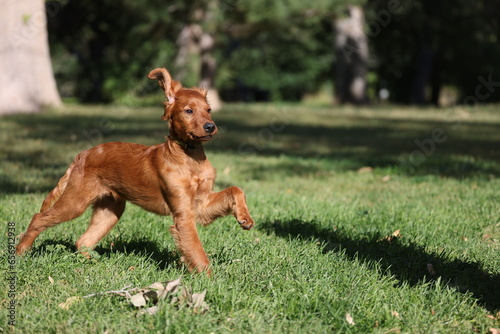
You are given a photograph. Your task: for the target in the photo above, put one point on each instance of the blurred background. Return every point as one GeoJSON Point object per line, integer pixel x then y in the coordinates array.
{"type": "Point", "coordinates": [418, 52]}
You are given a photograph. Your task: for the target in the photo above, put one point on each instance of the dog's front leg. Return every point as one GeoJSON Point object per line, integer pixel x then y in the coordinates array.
{"type": "Point", "coordinates": [228, 201]}
{"type": "Point", "coordinates": [188, 242]}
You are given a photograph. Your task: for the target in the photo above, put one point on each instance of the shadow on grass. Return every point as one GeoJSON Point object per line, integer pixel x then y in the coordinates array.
{"type": "Point", "coordinates": [145, 248]}
{"type": "Point", "coordinates": [384, 145]}
{"type": "Point", "coordinates": [52, 246]}
{"type": "Point", "coordinates": [408, 263]}
{"type": "Point", "coordinates": [471, 150]}
{"type": "Point", "coordinates": [164, 258]}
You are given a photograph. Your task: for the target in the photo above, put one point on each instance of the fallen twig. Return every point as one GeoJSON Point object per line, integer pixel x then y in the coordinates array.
{"type": "Point", "coordinates": [122, 292]}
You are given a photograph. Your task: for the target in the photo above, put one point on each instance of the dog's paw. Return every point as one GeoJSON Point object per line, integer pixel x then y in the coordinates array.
{"type": "Point", "coordinates": [22, 248]}
{"type": "Point", "coordinates": [246, 224]}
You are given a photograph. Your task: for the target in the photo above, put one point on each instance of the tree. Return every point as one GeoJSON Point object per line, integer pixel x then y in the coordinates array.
{"type": "Point", "coordinates": [351, 47]}
{"type": "Point", "coordinates": [425, 44]}
{"type": "Point", "coordinates": [112, 44]}
{"type": "Point", "coordinates": [195, 62]}
{"type": "Point", "coordinates": [27, 82]}
{"type": "Point", "coordinates": [278, 49]}
{"type": "Point", "coordinates": [106, 48]}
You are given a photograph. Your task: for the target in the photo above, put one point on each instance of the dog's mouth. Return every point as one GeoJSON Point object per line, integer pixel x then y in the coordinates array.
{"type": "Point", "coordinates": [202, 138]}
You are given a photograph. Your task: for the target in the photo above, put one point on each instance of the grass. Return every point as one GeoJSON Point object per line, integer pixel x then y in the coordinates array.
{"type": "Point", "coordinates": [323, 247]}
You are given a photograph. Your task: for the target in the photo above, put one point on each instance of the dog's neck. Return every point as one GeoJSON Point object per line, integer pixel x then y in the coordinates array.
{"type": "Point", "coordinates": [184, 145]}
{"type": "Point", "coordinates": [176, 147]}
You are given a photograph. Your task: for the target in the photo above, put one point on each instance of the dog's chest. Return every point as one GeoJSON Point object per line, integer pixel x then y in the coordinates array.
{"type": "Point", "coordinates": [202, 181]}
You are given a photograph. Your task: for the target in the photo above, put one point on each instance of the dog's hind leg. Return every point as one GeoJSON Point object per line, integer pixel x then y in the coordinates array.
{"type": "Point", "coordinates": [73, 202]}
{"type": "Point", "coordinates": [58, 190]}
{"type": "Point", "coordinates": [107, 212]}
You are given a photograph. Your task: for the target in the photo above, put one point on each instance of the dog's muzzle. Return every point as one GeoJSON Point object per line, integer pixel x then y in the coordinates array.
{"type": "Point", "coordinates": [209, 127]}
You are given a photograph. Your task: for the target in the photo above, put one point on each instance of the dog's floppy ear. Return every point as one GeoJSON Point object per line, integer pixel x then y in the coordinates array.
{"type": "Point", "coordinates": [165, 81]}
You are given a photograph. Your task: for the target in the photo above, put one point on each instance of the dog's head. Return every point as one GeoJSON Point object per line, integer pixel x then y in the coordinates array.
{"type": "Point", "coordinates": [186, 110]}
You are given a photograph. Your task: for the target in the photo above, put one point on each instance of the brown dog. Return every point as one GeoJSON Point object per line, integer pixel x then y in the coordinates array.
{"type": "Point", "coordinates": [170, 178]}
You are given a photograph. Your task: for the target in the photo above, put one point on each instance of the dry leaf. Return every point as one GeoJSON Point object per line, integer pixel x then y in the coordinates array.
{"type": "Point", "coordinates": [365, 169]}
{"type": "Point", "coordinates": [178, 295]}
{"type": "Point", "coordinates": [394, 235]}
{"type": "Point", "coordinates": [386, 179]}
{"type": "Point", "coordinates": [185, 296]}
{"type": "Point", "coordinates": [172, 285]}
{"type": "Point", "coordinates": [494, 331]}
{"type": "Point", "coordinates": [70, 301]}
{"type": "Point", "coordinates": [162, 294]}
{"type": "Point", "coordinates": [349, 319]}
{"type": "Point", "coordinates": [431, 270]}
{"type": "Point", "coordinates": [51, 280]}
{"type": "Point", "coordinates": [156, 286]}
{"type": "Point", "coordinates": [149, 310]}
{"type": "Point", "coordinates": [199, 298]}
{"type": "Point", "coordinates": [138, 300]}
{"type": "Point", "coordinates": [199, 305]}
{"type": "Point", "coordinates": [226, 171]}
{"type": "Point", "coordinates": [395, 314]}
{"type": "Point", "coordinates": [169, 289]}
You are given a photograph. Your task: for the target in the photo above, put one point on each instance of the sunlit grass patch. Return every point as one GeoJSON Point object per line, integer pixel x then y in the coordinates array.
{"type": "Point", "coordinates": [328, 191]}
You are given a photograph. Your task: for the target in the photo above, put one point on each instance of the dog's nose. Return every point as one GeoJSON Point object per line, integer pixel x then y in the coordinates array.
{"type": "Point", "coordinates": [209, 127]}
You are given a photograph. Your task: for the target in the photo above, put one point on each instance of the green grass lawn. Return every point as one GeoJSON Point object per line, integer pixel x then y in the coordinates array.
{"type": "Point", "coordinates": [381, 220]}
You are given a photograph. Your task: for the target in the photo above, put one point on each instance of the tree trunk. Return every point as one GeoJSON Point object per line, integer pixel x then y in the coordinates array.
{"type": "Point", "coordinates": [208, 70]}
{"type": "Point", "coordinates": [195, 59]}
{"type": "Point", "coordinates": [351, 48]}
{"type": "Point", "coordinates": [27, 82]}
{"type": "Point", "coordinates": [423, 71]}
{"type": "Point", "coordinates": [207, 47]}
{"type": "Point", "coordinates": [187, 59]}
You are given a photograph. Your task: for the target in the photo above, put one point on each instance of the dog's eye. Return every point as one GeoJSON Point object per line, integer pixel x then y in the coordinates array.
{"type": "Point", "coordinates": [209, 111]}
{"type": "Point", "coordinates": [188, 111]}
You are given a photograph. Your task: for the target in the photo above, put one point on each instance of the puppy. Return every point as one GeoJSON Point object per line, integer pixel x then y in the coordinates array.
{"type": "Point", "coordinates": [173, 178]}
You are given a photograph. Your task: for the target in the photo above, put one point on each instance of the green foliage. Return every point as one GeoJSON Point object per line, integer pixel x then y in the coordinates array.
{"type": "Point", "coordinates": [323, 246]}
{"type": "Point", "coordinates": [281, 63]}
{"type": "Point", "coordinates": [265, 49]}
{"type": "Point", "coordinates": [101, 50]}
{"type": "Point", "coordinates": [461, 36]}
{"type": "Point", "coordinates": [281, 47]}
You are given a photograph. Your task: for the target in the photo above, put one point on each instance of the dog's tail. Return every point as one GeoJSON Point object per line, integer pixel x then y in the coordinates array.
{"type": "Point", "coordinates": [54, 195]}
